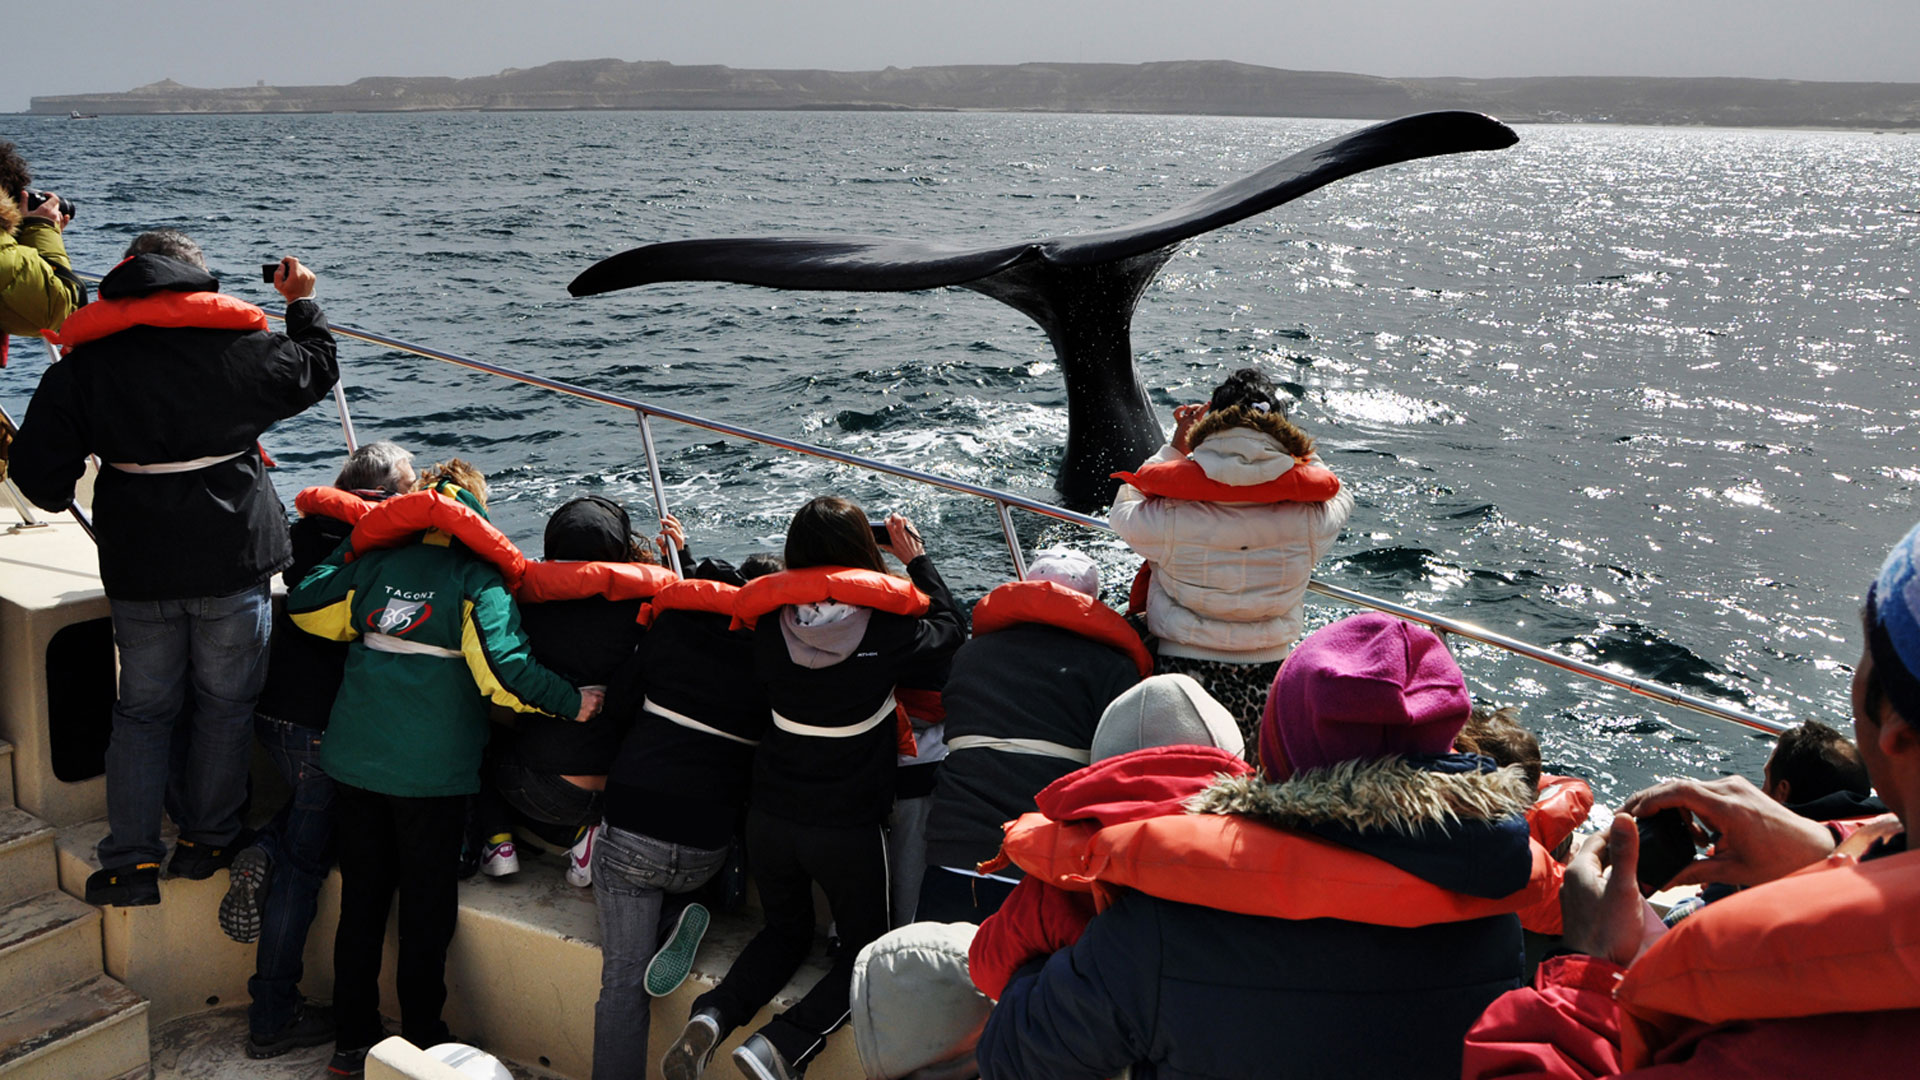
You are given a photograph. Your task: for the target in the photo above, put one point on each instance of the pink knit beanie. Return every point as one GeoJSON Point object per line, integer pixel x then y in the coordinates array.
{"type": "Point", "coordinates": [1368, 686]}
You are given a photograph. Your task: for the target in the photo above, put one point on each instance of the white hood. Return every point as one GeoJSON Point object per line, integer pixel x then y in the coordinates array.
{"type": "Point", "coordinates": [1242, 457]}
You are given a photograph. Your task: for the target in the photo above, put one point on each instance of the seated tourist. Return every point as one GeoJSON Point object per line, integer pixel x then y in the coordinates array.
{"type": "Point", "coordinates": [274, 885]}
{"type": "Point", "coordinates": [1561, 804]}
{"type": "Point", "coordinates": [1231, 516]}
{"type": "Point", "coordinates": [435, 636]}
{"type": "Point", "coordinates": [677, 789]}
{"type": "Point", "coordinates": [579, 610]}
{"type": "Point", "coordinates": [1814, 971]}
{"type": "Point", "coordinates": [1819, 773]}
{"type": "Point", "coordinates": [1349, 913]}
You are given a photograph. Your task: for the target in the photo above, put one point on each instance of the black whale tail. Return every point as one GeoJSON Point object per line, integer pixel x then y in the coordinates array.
{"type": "Point", "coordinates": [1081, 289]}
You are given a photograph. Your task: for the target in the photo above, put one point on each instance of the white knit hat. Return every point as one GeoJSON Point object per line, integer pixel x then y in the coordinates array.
{"type": "Point", "coordinates": [1165, 710]}
{"type": "Point", "coordinates": [1065, 566]}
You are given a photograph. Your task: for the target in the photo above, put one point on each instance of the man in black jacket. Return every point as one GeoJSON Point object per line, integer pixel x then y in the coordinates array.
{"type": "Point", "coordinates": [171, 384]}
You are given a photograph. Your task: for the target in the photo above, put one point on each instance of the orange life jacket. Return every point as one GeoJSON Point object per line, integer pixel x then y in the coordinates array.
{"type": "Point", "coordinates": [543, 582]}
{"type": "Point", "coordinates": [401, 519]}
{"type": "Point", "coordinates": [202, 310]}
{"type": "Point", "coordinates": [1233, 863]}
{"type": "Point", "coordinates": [1052, 604]}
{"type": "Point", "coordinates": [1561, 807]}
{"type": "Point", "coordinates": [690, 594]}
{"type": "Point", "coordinates": [332, 502]}
{"type": "Point", "coordinates": [1185, 479]}
{"type": "Point", "coordinates": [1838, 937]}
{"type": "Point", "coordinates": [816, 584]}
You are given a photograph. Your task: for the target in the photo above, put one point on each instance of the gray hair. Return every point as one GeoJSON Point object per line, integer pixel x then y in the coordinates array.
{"type": "Point", "coordinates": [377, 466]}
{"type": "Point", "coordinates": [169, 242]}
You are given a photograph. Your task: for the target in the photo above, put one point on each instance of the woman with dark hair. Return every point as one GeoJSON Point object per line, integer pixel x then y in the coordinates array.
{"type": "Point", "coordinates": [1231, 516]}
{"type": "Point", "coordinates": [833, 634]}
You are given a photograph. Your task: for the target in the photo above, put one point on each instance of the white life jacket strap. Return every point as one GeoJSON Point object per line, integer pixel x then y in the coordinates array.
{"type": "Point", "coordinates": [167, 468]}
{"type": "Point", "coordinates": [1036, 747]}
{"type": "Point", "coordinates": [387, 643]}
{"type": "Point", "coordinates": [795, 727]}
{"type": "Point", "coordinates": [683, 720]}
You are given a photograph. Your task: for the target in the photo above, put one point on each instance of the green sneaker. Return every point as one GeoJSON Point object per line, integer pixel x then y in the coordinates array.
{"type": "Point", "coordinates": [674, 962]}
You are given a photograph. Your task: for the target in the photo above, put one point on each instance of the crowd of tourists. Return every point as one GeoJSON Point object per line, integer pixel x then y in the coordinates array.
{"type": "Point", "coordinates": [1055, 839]}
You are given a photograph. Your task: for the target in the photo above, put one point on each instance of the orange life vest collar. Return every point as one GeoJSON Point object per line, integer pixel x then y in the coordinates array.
{"type": "Point", "coordinates": [401, 520]}
{"type": "Point", "coordinates": [1185, 479]}
{"type": "Point", "coordinates": [201, 310]}
{"type": "Point", "coordinates": [1838, 937]}
{"type": "Point", "coordinates": [818, 584]}
{"type": "Point", "coordinates": [691, 594]}
{"type": "Point", "coordinates": [1052, 604]}
{"type": "Point", "coordinates": [334, 503]}
{"type": "Point", "coordinates": [545, 582]}
{"type": "Point", "coordinates": [1562, 806]}
{"type": "Point", "coordinates": [1237, 864]}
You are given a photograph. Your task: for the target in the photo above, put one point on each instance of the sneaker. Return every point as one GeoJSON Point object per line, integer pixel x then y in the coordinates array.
{"type": "Point", "coordinates": [758, 1060]}
{"type": "Point", "coordinates": [497, 858]}
{"type": "Point", "coordinates": [198, 862]}
{"type": "Point", "coordinates": [348, 1062]}
{"type": "Point", "coordinates": [580, 858]}
{"type": "Point", "coordinates": [674, 962]}
{"type": "Point", "coordinates": [240, 909]}
{"type": "Point", "coordinates": [690, 1054]}
{"type": "Point", "coordinates": [125, 886]}
{"type": "Point", "coordinates": [312, 1025]}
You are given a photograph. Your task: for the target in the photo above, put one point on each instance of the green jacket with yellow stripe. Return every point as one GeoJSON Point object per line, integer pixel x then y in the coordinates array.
{"type": "Point", "coordinates": [435, 636]}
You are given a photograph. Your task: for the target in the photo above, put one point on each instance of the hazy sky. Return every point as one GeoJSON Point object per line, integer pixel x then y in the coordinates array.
{"type": "Point", "coordinates": [108, 45]}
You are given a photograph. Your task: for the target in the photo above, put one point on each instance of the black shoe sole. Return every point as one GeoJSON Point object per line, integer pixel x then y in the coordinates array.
{"type": "Point", "coordinates": [243, 908]}
{"type": "Point", "coordinates": [124, 897]}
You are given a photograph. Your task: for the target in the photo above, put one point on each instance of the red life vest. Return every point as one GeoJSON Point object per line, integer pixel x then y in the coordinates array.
{"type": "Point", "coordinates": [690, 594]}
{"type": "Point", "coordinates": [1052, 604]}
{"type": "Point", "coordinates": [1185, 479]}
{"type": "Point", "coordinates": [1561, 807]}
{"type": "Point", "coordinates": [334, 503]}
{"type": "Point", "coordinates": [542, 582]}
{"type": "Point", "coordinates": [816, 584]}
{"type": "Point", "coordinates": [201, 310]}
{"type": "Point", "coordinates": [401, 519]}
{"type": "Point", "coordinates": [1838, 937]}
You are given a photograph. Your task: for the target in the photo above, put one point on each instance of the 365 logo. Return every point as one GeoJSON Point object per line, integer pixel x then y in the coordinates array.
{"type": "Point", "coordinates": [399, 617]}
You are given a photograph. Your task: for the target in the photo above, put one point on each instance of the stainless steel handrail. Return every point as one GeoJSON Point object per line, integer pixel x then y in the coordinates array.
{"type": "Point", "coordinates": [1004, 501]}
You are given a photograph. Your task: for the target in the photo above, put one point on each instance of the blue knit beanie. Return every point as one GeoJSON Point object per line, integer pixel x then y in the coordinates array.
{"type": "Point", "coordinates": [1893, 624]}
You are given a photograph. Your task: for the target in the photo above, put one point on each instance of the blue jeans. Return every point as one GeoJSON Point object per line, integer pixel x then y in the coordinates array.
{"type": "Point", "coordinates": [299, 840]}
{"type": "Point", "coordinates": [631, 876]}
{"type": "Point", "coordinates": [215, 647]}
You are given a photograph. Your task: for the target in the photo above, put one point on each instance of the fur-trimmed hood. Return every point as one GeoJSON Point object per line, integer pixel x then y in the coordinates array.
{"type": "Point", "coordinates": [1456, 820]}
{"type": "Point", "coordinates": [10, 214]}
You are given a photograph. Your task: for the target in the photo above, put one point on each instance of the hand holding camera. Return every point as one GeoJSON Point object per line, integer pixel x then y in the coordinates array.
{"type": "Point", "coordinates": [288, 278]}
{"type": "Point", "coordinates": [48, 206]}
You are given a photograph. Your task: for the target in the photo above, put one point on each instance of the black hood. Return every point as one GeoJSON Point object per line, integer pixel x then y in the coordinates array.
{"type": "Point", "coordinates": [144, 275]}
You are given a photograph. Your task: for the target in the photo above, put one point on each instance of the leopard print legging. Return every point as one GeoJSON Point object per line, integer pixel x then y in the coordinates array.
{"type": "Point", "coordinates": [1242, 688]}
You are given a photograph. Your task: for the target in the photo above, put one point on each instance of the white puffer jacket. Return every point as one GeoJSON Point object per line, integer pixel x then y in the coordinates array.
{"type": "Point", "coordinates": [1228, 578]}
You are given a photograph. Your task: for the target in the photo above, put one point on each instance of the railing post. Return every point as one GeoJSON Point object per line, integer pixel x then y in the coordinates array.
{"type": "Point", "coordinates": [27, 518]}
{"type": "Point", "coordinates": [659, 489]}
{"type": "Point", "coordinates": [346, 418]}
{"type": "Point", "coordinates": [1013, 540]}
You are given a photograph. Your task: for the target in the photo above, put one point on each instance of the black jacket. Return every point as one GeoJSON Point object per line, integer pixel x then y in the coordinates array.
{"type": "Point", "coordinates": [674, 783]}
{"type": "Point", "coordinates": [304, 671]}
{"type": "Point", "coordinates": [1029, 681]}
{"type": "Point", "coordinates": [149, 395]}
{"type": "Point", "coordinates": [588, 642]}
{"type": "Point", "coordinates": [844, 781]}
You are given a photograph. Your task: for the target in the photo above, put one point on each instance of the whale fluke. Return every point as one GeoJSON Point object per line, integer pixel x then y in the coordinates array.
{"type": "Point", "coordinates": [1080, 289]}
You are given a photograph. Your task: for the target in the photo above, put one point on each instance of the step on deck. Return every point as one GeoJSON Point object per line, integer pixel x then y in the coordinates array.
{"type": "Point", "coordinates": [93, 1030]}
{"type": "Point", "coordinates": [26, 856]}
{"type": "Point", "coordinates": [47, 942]}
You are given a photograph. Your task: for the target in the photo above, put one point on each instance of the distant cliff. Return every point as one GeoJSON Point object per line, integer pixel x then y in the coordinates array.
{"type": "Point", "coordinates": [1190, 87]}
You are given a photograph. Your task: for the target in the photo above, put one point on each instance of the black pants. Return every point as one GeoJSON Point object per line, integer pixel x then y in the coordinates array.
{"type": "Point", "coordinates": [850, 865]}
{"type": "Point", "coordinates": [512, 795]}
{"type": "Point", "coordinates": [388, 843]}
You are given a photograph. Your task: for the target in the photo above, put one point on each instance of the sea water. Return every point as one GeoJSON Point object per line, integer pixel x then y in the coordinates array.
{"type": "Point", "coordinates": [1642, 395]}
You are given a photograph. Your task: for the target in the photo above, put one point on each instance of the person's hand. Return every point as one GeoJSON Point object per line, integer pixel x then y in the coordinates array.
{"type": "Point", "coordinates": [49, 211]}
{"type": "Point", "coordinates": [671, 534]}
{"type": "Point", "coordinates": [1759, 839]}
{"type": "Point", "coordinates": [1601, 912]}
{"type": "Point", "coordinates": [1184, 417]}
{"type": "Point", "coordinates": [591, 698]}
{"type": "Point", "coordinates": [902, 540]}
{"type": "Point", "coordinates": [293, 281]}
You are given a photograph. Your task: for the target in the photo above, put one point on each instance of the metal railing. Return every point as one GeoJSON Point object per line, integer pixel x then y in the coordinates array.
{"type": "Point", "coordinates": [1004, 503]}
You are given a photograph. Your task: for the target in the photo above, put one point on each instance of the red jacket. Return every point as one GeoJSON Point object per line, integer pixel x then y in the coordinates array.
{"type": "Point", "coordinates": [1817, 974]}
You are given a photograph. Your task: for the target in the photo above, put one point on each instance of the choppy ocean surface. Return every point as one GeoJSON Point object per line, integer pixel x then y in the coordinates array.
{"type": "Point", "coordinates": [1643, 395]}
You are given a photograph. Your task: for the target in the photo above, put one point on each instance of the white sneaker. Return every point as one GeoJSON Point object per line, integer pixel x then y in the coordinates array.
{"type": "Point", "coordinates": [580, 858]}
{"type": "Point", "coordinates": [497, 858]}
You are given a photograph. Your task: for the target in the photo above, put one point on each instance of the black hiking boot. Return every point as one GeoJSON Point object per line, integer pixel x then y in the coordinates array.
{"type": "Point", "coordinates": [312, 1025]}
{"type": "Point", "coordinates": [137, 885]}
{"type": "Point", "coordinates": [241, 909]}
{"type": "Point", "coordinates": [198, 862]}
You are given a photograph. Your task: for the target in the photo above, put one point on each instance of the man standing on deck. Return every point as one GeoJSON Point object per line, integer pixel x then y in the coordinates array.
{"type": "Point", "coordinates": [170, 383]}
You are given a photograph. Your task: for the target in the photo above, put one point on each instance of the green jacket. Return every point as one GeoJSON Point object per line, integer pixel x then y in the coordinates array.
{"type": "Point", "coordinates": [34, 298]}
{"type": "Point", "coordinates": [435, 636]}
